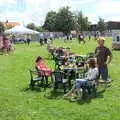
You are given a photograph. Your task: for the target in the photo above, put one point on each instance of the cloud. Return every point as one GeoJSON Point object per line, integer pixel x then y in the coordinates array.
{"type": "Point", "coordinates": [35, 10]}
{"type": "Point", "coordinates": [80, 2]}
{"type": "Point", "coordinates": [7, 2]}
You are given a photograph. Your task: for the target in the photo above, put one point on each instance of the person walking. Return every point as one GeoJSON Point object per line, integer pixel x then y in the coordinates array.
{"type": "Point", "coordinates": [103, 58]}
{"type": "Point", "coordinates": [28, 39]}
{"type": "Point", "coordinates": [51, 37]}
{"type": "Point", "coordinates": [89, 36]}
{"type": "Point", "coordinates": [81, 38]}
{"type": "Point", "coordinates": [41, 39]}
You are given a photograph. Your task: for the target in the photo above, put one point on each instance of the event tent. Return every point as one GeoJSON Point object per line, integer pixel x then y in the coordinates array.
{"type": "Point", "coordinates": [21, 30]}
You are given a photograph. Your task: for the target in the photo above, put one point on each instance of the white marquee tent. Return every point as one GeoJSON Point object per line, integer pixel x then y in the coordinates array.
{"type": "Point", "coordinates": [21, 30]}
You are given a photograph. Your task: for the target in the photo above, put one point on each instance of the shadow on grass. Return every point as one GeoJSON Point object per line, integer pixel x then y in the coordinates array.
{"type": "Point", "coordinates": [58, 94]}
{"type": "Point", "coordinates": [87, 99]}
{"type": "Point", "coordinates": [54, 95]}
{"type": "Point", "coordinates": [36, 89]}
{"type": "Point", "coordinates": [115, 49]}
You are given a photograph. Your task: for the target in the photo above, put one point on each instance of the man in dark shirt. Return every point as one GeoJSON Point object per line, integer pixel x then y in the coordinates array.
{"type": "Point", "coordinates": [103, 58]}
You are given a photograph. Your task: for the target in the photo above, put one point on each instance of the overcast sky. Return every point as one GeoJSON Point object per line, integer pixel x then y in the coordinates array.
{"type": "Point", "coordinates": [26, 11]}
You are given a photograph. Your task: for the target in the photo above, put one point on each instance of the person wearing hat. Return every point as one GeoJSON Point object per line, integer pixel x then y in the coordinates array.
{"type": "Point", "coordinates": [103, 58]}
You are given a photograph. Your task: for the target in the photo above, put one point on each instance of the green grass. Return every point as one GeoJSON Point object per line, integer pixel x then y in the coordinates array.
{"type": "Point", "coordinates": [16, 103]}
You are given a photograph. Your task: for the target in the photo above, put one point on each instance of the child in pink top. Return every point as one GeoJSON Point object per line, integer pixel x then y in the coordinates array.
{"type": "Point", "coordinates": [41, 65]}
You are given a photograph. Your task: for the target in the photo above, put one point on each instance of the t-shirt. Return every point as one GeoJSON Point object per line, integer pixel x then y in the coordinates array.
{"type": "Point", "coordinates": [92, 74]}
{"type": "Point", "coordinates": [81, 36]}
{"type": "Point", "coordinates": [41, 36]}
{"type": "Point", "coordinates": [101, 54]}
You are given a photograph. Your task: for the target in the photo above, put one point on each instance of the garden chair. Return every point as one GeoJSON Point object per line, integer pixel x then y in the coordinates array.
{"type": "Point", "coordinates": [58, 78]}
{"type": "Point", "coordinates": [88, 87]}
{"type": "Point", "coordinates": [58, 62]}
{"type": "Point", "coordinates": [36, 77]}
{"type": "Point", "coordinates": [81, 73]}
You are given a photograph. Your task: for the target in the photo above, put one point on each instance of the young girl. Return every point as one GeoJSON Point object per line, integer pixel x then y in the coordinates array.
{"type": "Point", "coordinates": [41, 65]}
{"type": "Point", "coordinates": [92, 75]}
{"type": "Point", "coordinates": [44, 70]}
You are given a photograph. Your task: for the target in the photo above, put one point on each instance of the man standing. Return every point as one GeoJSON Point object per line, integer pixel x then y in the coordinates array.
{"type": "Point", "coordinates": [51, 37]}
{"type": "Point", "coordinates": [103, 58]}
{"type": "Point", "coordinates": [81, 38]}
{"type": "Point", "coordinates": [41, 39]}
{"type": "Point", "coordinates": [28, 39]}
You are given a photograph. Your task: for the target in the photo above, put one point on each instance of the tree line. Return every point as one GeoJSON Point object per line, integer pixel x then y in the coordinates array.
{"type": "Point", "coordinates": [64, 21]}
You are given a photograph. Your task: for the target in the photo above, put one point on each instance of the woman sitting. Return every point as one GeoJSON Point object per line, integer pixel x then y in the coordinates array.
{"type": "Point", "coordinates": [92, 75]}
{"type": "Point", "coordinates": [44, 70]}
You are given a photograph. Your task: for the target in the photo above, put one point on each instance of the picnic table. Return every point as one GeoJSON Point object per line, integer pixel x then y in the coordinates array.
{"type": "Point", "coordinates": [84, 57]}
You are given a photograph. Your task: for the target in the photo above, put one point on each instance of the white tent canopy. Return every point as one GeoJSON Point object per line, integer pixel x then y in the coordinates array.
{"type": "Point", "coordinates": [21, 30]}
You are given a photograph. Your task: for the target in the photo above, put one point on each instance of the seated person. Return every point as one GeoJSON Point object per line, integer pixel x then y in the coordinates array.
{"type": "Point", "coordinates": [65, 52]}
{"type": "Point", "coordinates": [92, 75]}
{"type": "Point", "coordinates": [41, 65]}
{"type": "Point", "coordinates": [44, 70]}
{"type": "Point", "coordinates": [59, 51]}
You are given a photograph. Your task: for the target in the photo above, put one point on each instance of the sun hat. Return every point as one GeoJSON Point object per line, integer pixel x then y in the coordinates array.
{"type": "Point", "coordinates": [101, 38]}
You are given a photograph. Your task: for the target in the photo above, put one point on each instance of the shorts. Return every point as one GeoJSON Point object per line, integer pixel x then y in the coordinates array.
{"type": "Point", "coordinates": [80, 84]}
{"type": "Point", "coordinates": [103, 71]}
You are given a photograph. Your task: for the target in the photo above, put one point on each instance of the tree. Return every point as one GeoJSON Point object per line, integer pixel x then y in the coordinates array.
{"type": "Point", "coordinates": [64, 20]}
{"type": "Point", "coordinates": [31, 26]}
{"type": "Point", "coordinates": [34, 27]}
{"type": "Point", "coordinates": [2, 27]}
{"type": "Point", "coordinates": [101, 25]}
{"type": "Point", "coordinates": [82, 23]}
{"type": "Point", "coordinates": [40, 29]}
{"type": "Point", "coordinates": [50, 21]}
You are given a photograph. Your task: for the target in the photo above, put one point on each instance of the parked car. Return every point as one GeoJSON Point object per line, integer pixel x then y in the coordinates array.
{"type": "Point", "coordinates": [18, 41]}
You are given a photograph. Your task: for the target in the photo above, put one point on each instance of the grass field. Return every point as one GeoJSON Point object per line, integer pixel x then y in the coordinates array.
{"type": "Point", "coordinates": [17, 103]}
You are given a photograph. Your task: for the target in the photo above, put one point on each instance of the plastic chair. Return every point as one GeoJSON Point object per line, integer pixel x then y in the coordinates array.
{"type": "Point", "coordinates": [36, 77]}
{"type": "Point", "coordinates": [58, 78]}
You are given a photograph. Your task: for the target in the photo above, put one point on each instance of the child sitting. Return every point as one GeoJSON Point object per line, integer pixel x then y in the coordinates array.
{"type": "Point", "coordinates": [92, 75]}
{"type": "Point", "coordinates": [44, 70]}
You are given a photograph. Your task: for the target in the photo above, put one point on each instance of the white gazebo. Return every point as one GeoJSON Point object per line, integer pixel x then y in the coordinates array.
{"type": "Point", "coordinates": [21, 30]}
